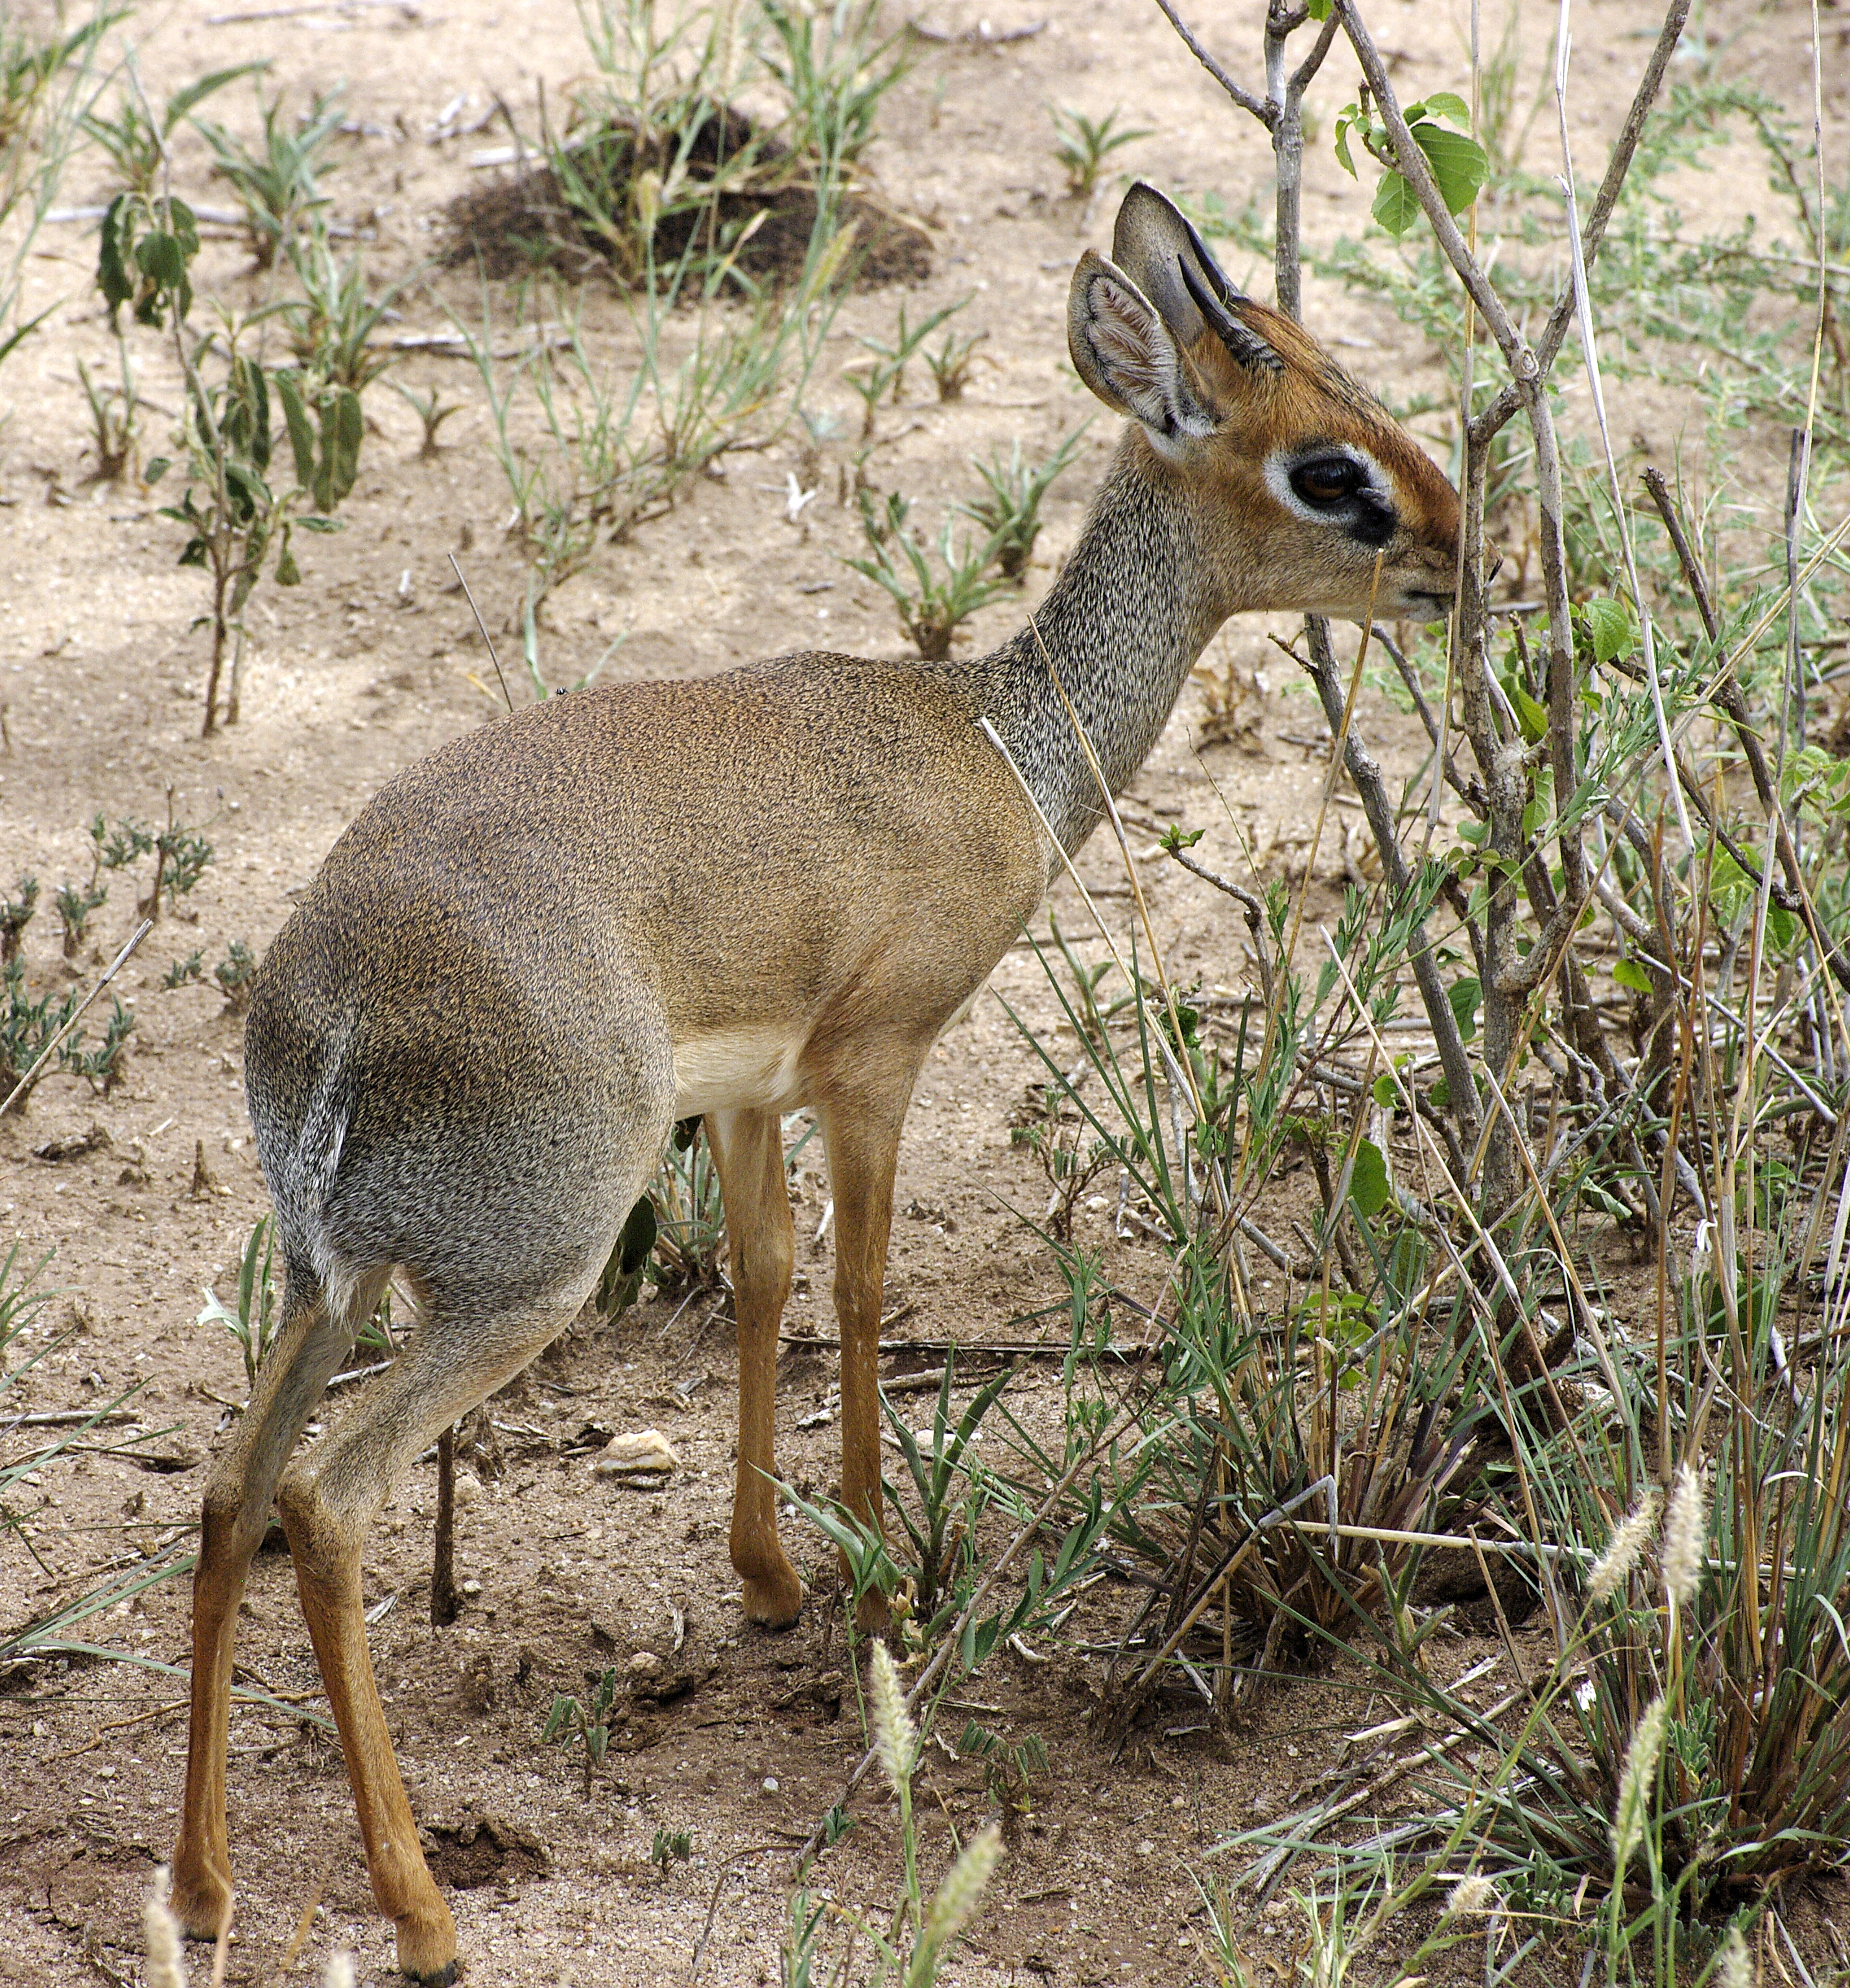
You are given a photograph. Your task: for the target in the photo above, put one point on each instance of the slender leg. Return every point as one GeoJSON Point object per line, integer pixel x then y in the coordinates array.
{"type": "Point", "coordinates": [308, 1349]}
{"type": "Point", "coordinates": [863, 1136]}
{"type": "Point", "coordinates": [749, 1148]}
{"type": "Point", "coordinates": [328, 1500]}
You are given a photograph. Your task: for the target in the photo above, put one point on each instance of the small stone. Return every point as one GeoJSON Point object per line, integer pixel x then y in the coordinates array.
{"type": "Point", "coordinates": [645, 1663]}
{"type": "Point", "coordinates": [771, 1784]}
{"type": "Point", "coordinates": [471, 1586]}
{"type": "Point", "coordinates": [1147, 1847]}
{"type": "Point", "coordinates": [466, 1490]}
{"type": "Point", "coordinates": [640, 1453]}
{"type": "Point", "coordinates": [105, 1773]}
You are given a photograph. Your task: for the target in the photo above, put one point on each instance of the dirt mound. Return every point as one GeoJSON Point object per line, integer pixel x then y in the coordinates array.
{"type": "Point", "coordinates": [538, 217]}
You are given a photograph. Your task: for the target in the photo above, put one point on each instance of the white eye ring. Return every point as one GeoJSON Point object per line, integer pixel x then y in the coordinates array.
{"type": "Point", "coordinates": [1278, 472]}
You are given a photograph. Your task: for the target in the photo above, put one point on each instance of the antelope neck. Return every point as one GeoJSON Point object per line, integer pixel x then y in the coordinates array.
{"type": "Point", "coordinates": [1123, 625]}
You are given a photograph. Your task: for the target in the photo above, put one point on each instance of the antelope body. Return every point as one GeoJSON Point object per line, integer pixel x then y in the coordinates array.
{"type": "Point", "coordinates": [537, 949]}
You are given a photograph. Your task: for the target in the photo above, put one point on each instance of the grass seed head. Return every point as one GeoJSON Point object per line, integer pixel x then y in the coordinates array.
{"type": "Point", "coordinates": [957, 1899]}
{"type": "Point", "coordinates": [1637, 1781]}
{"type": "Point", "coordinates": [1734, 1964]}
{"type": "Point", "coordinates": [1474, 1894]}
{"type": "Point", "coordinates": [1614, 1566]}
{"type": "Point", "coordinates": [1685, 1536]}
{"type": "Point", "coordinates": [161, 1931]}
{"type": "Point", "coordinates": [896, 1738]}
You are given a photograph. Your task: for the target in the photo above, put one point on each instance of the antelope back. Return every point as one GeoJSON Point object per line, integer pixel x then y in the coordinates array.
{"type": "Point", "coordinates": [1308, 482]}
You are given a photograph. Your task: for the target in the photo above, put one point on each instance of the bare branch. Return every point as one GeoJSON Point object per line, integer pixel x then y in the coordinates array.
{"type": "Point", "coordinates": [1253, 106]}
{"type": "Point", "coordinates": [1548, 346]}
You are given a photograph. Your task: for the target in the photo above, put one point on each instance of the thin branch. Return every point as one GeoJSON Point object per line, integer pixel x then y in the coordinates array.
{"type": "Point", "coordinates": [1253, 106]}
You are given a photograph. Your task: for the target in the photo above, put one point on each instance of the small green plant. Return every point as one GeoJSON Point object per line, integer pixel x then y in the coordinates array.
{"type": "Point", "coordinates": [258, 1311]}
{"type": "Point", "coordinates": [689, 1218]}
{"type": "Point", "coordinates": [1067, 1152]}
{"type": "Point", "coordinates": [275, 183]}
{"type": "Point", "coordinates": [332, 324]}
{"type": "Point", "coordinates": [671, 1846]}
{"type": "Point", "coordinates": [103, 1067]}
{"type": "Point", "coordinates": [933, 599]}
{"type": "Point", "coordinates": [27, 1028]}
{"type": "Point", "coordinates": [833, 72]}
{"type": "Point", "coordinates": [238, 517]}
{"type": "Point", "coordinates": [184, 972]}
{"type": "Point", "coordinates": [1009, 1771]}
{"type": "Point", "coordinates": [136, 142]}
{"type": "Point", "coordinates": [883, 371]}
{"type": "Point", "coordinates": [234, 974]}
{"type": "Point", "coordinates": [76, 906]}
{"type": "Point", "coordinates": [953, 363]}
{"type": "Point", "coordinates": [1009, 510]}
{"type": "Point", "coordinates": [910, 1948]}
{"type": "Point", "coordinates": [114, 428]}
{"type": "Point", "coordinates": [181, 857]}
{"type": "Point", "coordinates": [944, 1563]}
{"type": "Point", "coordinates": [586, 1721]}
{"type": "Point", "coordinates": [115, 848]}
{"type": "Point", "coordinates": [16, 914]}
{"type": "Point", "coordinates": [1082, 144]}
{"type": "Point", "coordinates": [46, 83]}
{"type": "Point", "coordinates": [432, 412]}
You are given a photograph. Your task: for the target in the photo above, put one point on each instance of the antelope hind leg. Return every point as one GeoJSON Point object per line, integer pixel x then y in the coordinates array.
{"type": "Point", "coordinates": [236, 1508]}
{"type": "Point", "coordinates": [328, 1501]}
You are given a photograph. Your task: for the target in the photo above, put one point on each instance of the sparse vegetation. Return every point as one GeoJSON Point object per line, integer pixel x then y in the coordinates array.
{"type": "Point", "coordinates": [1082, 144]}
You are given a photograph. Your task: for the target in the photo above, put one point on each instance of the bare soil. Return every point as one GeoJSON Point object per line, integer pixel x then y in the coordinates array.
{"type": "Point", "coordinates": [741, 1738]}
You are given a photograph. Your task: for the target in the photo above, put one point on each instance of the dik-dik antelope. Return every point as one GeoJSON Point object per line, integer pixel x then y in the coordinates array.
{"type": "Point", "coordinates": [538, 948]}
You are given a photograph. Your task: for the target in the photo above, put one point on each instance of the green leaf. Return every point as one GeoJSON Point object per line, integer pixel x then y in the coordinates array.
{"type": "Point", "coordinates": [113, 278]}
{"type": "Point", "coordinates": [1610, 627]}
{"type": "Point", "coordinates": [1440, 1093]}
{"type": "Point", "coordinates": [1386, 1092]}
{"type": "Point", "coordinates": [1319, 10]}
{"type": "Point", "coordinates": [1443, 103]}
{"type": "Point", "coordinates": [1347, 122]}
{"type": "Point", "coordinates": [1464, 995]}
{"type": "Point", "coordinates": [341, 427]}
{"type": "Point", "coordinates": [1395, 208]}
{"type": "Point", "coordinates": [1369, 1181]}
{"type": "Point", "coordinates": [1531, 718]}
{"type": "Point", "coordinates": [295, 419]}
{"type": "Point", "coordinates": [1782, 927]}
{"type": "Point", "coordinates": [157, 469]}
{"type": "Point", "coordinates": [1629, 973]}
{"type": "Point", "coordinates": [1459, 165]}
{"type": "Point", "coordinates": [1175, 838]}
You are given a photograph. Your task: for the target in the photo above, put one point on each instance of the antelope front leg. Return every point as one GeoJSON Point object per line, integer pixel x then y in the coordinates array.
{"type": "Point", "coordinates": [863, 1143]}
{"type": "Point", "coordinates": [748, 1147]}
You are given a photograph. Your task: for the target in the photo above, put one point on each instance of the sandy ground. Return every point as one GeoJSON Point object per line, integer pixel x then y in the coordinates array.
{"type": "Point", "coordinates": [372, 662]}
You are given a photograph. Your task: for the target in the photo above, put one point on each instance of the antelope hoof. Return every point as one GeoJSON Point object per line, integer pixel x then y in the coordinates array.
{"type": "Point", "coordinates": [774, 1601]}
{"type": "Point", "coordinates": [427, 1949]}
{"type": "Point", "coordinates": [201, 1899]}
{"type": "Point", "coordinates": [871, 1616]}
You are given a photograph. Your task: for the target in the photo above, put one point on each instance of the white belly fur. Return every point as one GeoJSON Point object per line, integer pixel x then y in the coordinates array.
{"type": "Point", "coordinates": [735, 1070]}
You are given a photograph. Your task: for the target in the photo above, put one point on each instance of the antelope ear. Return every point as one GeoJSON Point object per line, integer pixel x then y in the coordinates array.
{"type": "Point", "coordinates": [1159, 248]}
{"type": "Point", "coordinates": [1130, 358]}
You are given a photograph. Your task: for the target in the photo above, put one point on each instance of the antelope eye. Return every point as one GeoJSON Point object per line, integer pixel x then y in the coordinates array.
{"type": "Point", "coordinates": [1328, 480]}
